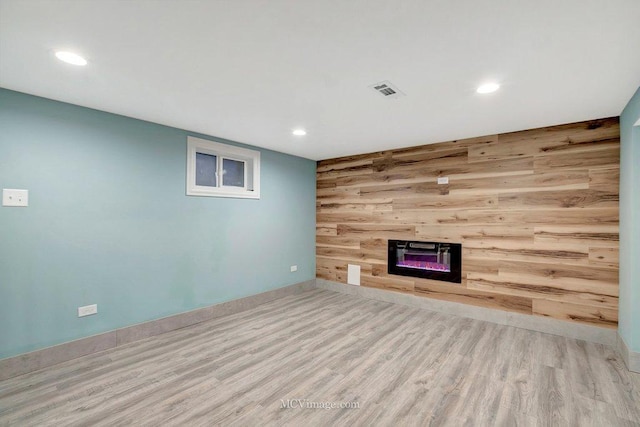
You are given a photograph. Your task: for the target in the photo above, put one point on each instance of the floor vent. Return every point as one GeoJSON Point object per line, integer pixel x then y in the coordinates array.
{"type": "Point", "coordinates": [387, 89]}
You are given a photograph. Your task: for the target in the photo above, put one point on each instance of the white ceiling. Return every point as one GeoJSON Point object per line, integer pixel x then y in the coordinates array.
{"type": "Point", "coordinates": [253, 70]}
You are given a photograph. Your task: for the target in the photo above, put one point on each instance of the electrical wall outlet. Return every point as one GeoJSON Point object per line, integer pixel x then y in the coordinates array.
{"type": "Point", "coordinates": [16, 198]}
{"type": "Point", "coordinates": [294, 268]}
{"type": "Point", "coordinates": [443, 180]}
{"type": "Point", "coordinates": [87, 310]}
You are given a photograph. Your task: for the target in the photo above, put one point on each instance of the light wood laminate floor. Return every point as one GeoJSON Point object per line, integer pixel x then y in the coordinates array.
{"type": "Point", "coordinates": [404, 366]}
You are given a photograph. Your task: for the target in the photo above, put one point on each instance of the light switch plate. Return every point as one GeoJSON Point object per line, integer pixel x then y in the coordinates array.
{"type": "Point", "coordinates": [15, 198]}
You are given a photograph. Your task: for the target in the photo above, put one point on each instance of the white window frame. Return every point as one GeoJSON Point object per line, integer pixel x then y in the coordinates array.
{"type": "Point", "coordinates": [251, 159]}
{"type": "Point", "coordinates": [221, 160]}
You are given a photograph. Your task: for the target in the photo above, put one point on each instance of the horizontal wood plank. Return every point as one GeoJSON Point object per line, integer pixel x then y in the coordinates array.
{"type": "Point", "coordinates": [388, 283]}
{"type": "Point", "coordinates": [606, 256]}
{"type": "Point", "coordinates": [597, 315]}
{"type": "Point", "coordinates": [558, 199]}
{"type": "Point", "coordinates": [472, 297]}
{"type": "Point", "coordinates": [553, 290]}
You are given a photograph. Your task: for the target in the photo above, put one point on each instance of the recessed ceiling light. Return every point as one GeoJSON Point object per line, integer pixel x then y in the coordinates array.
{"type": "Point", "coordinates": [71, 58]}
{"type": "Point", "coordinates": [300, 132]}
{"type": "Point", "coordinates": [488, 88]}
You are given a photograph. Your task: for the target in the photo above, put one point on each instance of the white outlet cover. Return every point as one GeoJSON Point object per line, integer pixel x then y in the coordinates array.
{"type": "Point", "coordinates": [443, 180]}
{"type": "Point", "coordinates": [15, 198]}
{"type": "Point", "coordinates": [87, 310]}
{"type": "Point", "coordinates": [353, 274]}
{"type": "Point", "coordinates": [294, 268]}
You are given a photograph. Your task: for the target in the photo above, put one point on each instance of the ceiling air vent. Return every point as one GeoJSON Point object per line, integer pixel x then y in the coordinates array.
{"type": "Point", "coordinates": [387, 89]}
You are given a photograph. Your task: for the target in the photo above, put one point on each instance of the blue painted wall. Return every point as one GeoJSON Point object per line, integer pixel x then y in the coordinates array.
{"type": "Point", "coordinates": [629, 317]}
{"type": "Point", "coordinates": [109, 224]}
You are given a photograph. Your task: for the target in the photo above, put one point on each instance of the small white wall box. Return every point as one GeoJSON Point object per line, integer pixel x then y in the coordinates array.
{"type": "Point", "coordinates": [353, 274]}
{"type": "Point", "coordinates": [87, 310]}
{"type": "Point", "coordinates": [16, 198]}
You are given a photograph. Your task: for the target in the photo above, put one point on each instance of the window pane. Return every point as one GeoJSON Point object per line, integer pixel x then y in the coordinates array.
{"type": "Point", "coordinates": [206, 168]}
{"type": "Point", "coordinates": [232, 173]}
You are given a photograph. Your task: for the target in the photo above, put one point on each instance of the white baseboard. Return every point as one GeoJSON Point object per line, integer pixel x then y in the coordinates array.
{"type": "Point", "coordinates": [631, 358]}
{"type": "Point", "coordinates": [39, 359]}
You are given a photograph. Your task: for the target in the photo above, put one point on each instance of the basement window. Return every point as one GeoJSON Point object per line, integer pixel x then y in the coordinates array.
{"type": "Point", "coordinates": [221, 170]}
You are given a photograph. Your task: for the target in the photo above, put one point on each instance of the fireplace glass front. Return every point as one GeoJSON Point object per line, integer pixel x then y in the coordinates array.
{"type": "Point", "coordinates": [429, 260]}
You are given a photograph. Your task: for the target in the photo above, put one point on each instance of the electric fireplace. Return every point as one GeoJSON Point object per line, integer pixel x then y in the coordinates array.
{"type": "Point", "coordinates": [429, 260]}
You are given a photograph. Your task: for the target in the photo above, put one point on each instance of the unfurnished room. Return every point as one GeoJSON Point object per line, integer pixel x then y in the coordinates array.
{"type": "Point", "coordinates": [320, 213]}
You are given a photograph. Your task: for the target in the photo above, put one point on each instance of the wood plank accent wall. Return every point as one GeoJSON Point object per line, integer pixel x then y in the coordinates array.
{"type": "Point", "coordinates": [536, 212]}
